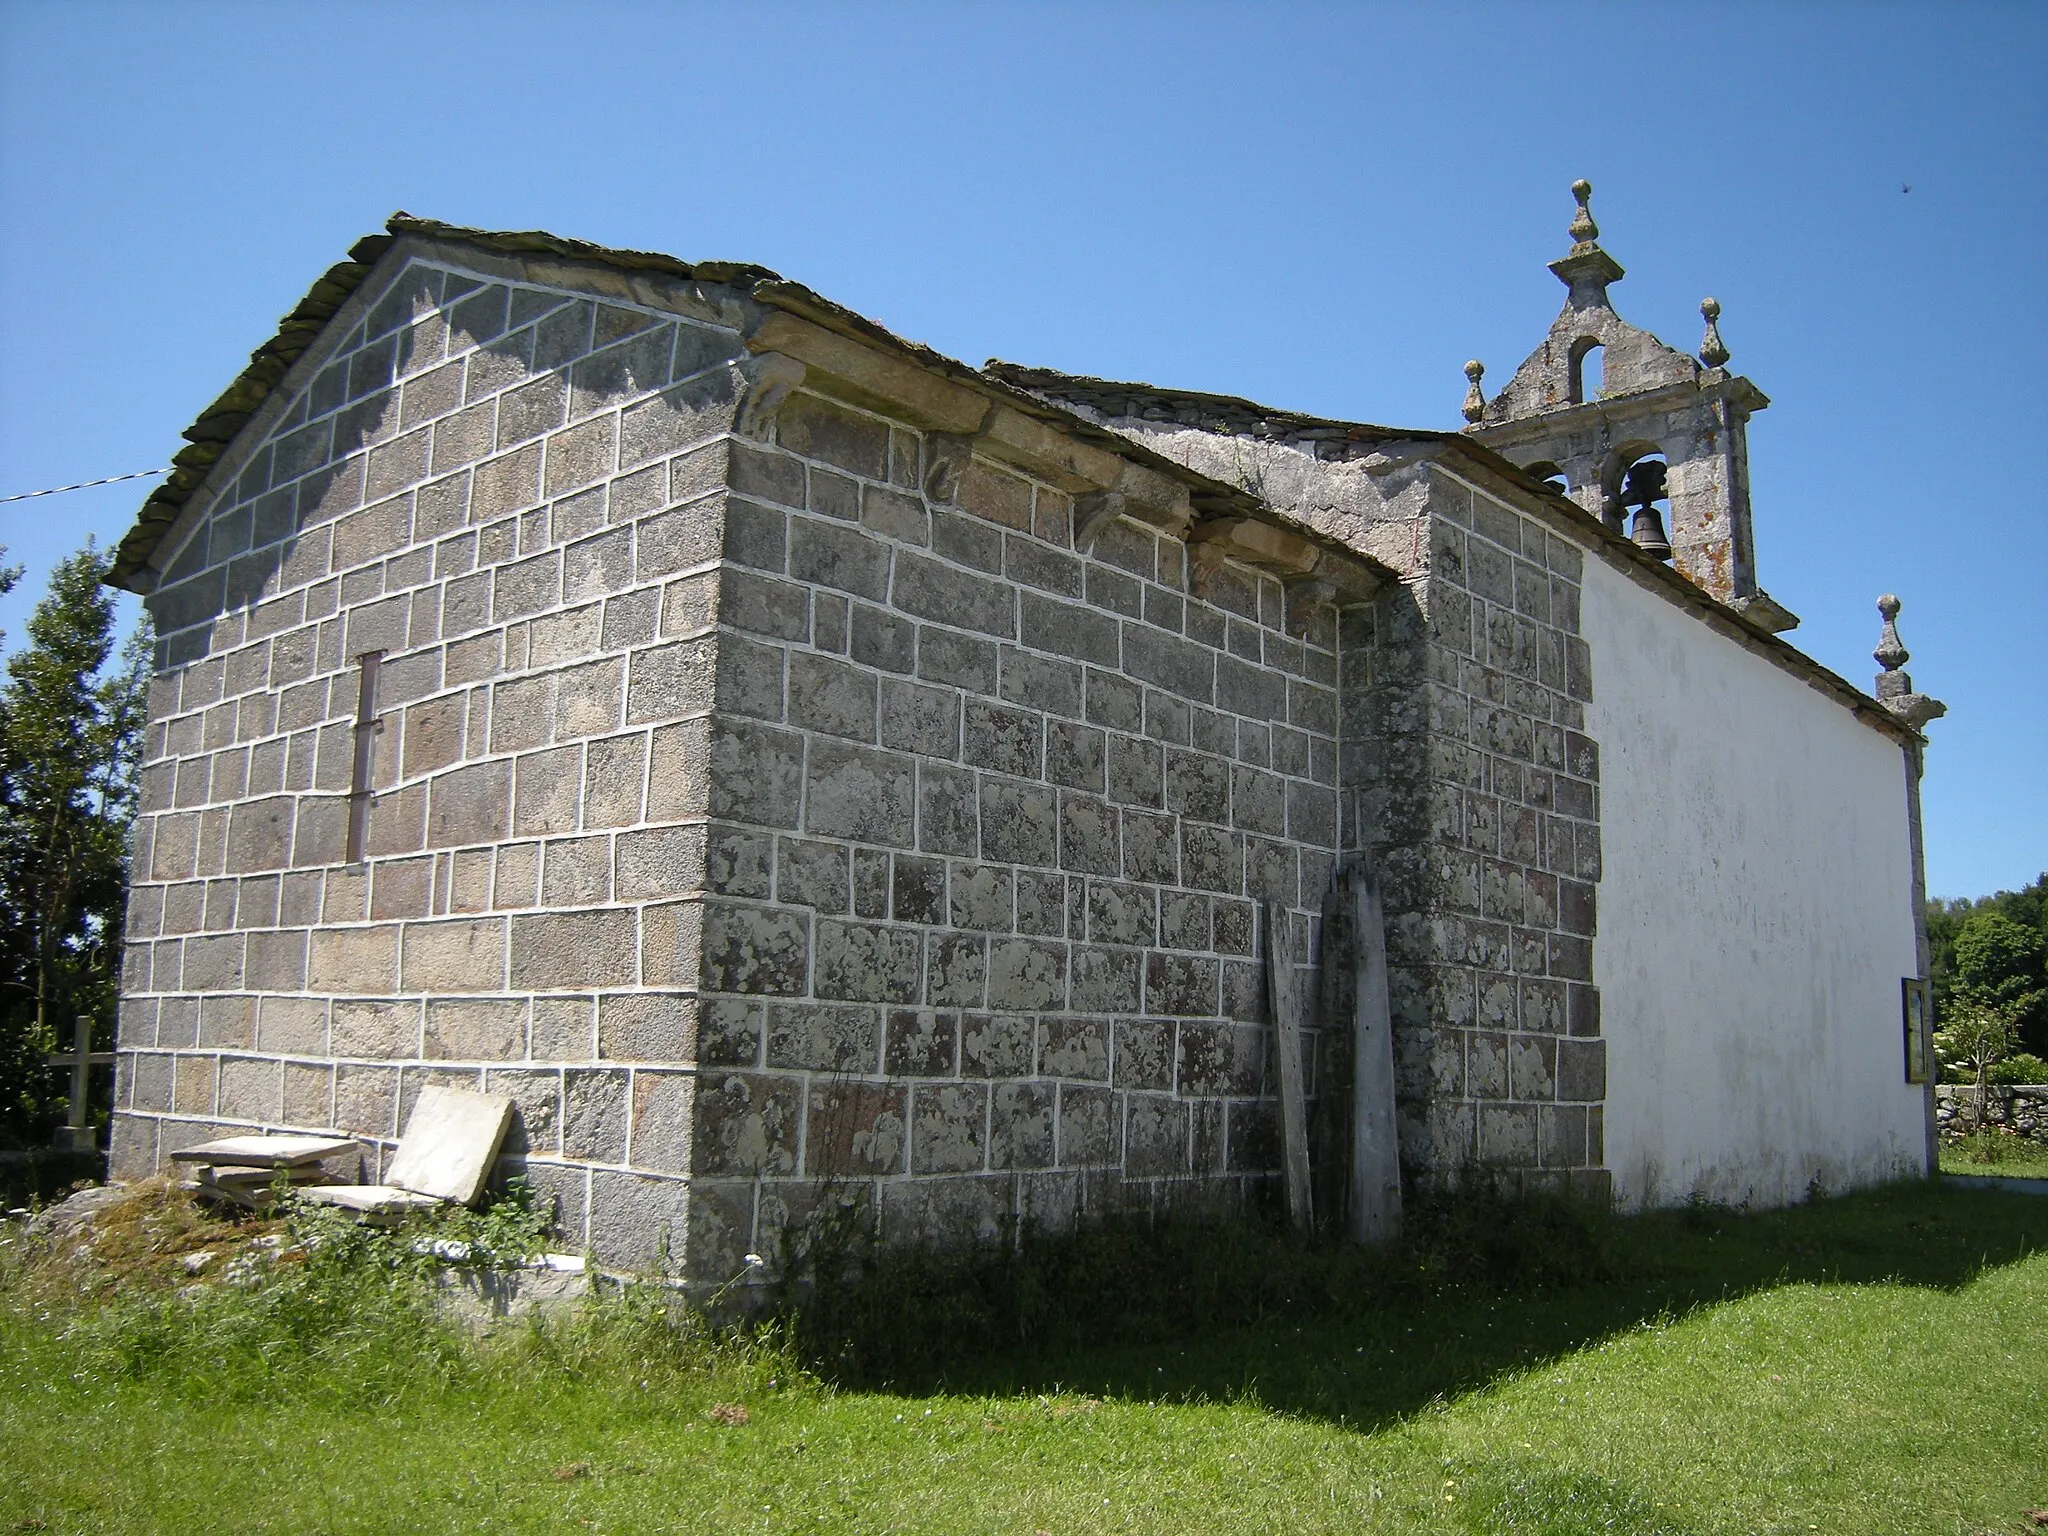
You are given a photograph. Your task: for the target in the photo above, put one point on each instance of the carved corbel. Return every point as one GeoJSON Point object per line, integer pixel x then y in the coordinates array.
{"type": "Point", "coordinates": [1265, 545]}
{"type": "Point", "coordinates": [1304, 596]}
{"type": "Point", "coordinates": [945, 459]}
{"type": "Point", "coordinates": [1095, 512]}
{"type": "Point", "coordinates": [770, 376]}
{"type": "Point", "coordinates": [1154, 499]}
{"type": "Point", "coordinates": [1204, 561]}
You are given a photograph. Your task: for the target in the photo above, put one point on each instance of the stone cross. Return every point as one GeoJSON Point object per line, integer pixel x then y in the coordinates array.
{"type": "Point", "coordinates": [75, 1135]}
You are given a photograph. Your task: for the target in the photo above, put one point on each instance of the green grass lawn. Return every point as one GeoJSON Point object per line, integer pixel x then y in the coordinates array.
{"type": "Point", "coordinates": [1877, 1363]}
{"type": "Point", "coordinates": [2029, 1163]}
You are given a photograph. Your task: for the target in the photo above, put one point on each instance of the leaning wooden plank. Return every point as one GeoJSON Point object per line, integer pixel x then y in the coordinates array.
{"type": "Point", "coordinates": [266, 1151]}
{"type": "Point", "coordinates": [1280, 997]}
{"type": "Point", "coordinates": [1375, 1153]}
{"type": "Point", "coordinates": [450, 1142]}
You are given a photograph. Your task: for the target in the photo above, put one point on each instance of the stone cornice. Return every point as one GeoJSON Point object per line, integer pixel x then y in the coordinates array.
{"type": "Point", "coordinates": [1110, 475]}
{"type": "Point", "coordinates": [1736, 390]}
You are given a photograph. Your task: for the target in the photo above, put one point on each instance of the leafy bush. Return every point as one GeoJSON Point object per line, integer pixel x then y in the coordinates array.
{"type": "Point", "coordinates": [2021, 1067]}
{"type": "Point", "coordinates": [1992, 1147]}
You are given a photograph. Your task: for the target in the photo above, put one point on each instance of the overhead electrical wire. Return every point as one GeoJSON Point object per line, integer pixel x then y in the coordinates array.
{"type": "Point", "coordinates": [83, 485]}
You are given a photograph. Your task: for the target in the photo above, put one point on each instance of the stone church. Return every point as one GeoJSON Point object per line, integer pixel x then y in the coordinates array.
{"type": "Point", "coordinates": [795, 765]}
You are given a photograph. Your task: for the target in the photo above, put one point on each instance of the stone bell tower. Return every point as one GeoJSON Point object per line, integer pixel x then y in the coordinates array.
{"type": "Point", "coordinates": [1624, 421]}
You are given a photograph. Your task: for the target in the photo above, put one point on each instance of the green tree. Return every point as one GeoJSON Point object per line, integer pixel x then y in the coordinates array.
{"type": "Point", "coordinates": [1996, 960]}
{"type": "Point", "coordinates": [1993, 947]}
{"type": "Point", "coordinates": [9, 575]}
{"type": "Point", "coordinates": [1978, 1037]}
{"type": "Point", "coordinates": [71, 719]}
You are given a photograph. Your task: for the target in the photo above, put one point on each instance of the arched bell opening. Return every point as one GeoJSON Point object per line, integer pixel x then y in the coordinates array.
{"type": "Point", "coordinates": [1549, 474]}
{"type": "Point", "coordinates": [1587, 373]}
{"type": "Point", "coordinates": [1614, 472]}
{"type": "Point", "coordinates": [1642, 488]}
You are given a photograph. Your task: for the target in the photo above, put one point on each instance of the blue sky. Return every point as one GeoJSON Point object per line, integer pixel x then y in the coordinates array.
{"type": "Point", "coordinates": [1327, 208]}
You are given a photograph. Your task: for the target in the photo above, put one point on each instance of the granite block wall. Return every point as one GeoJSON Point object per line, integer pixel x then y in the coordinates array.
{"type": "Point", "coordinates": [990, 820]}
{"type": "Point", "coordinates": [795, 815]}
{"type": "Point", "coordinates": [769, 829]}
{"type": "Point", "coordinates": [513, 493]}
{"type": "Point", "coordinates": [1469, 782]}
{"type": "Point", "coordinates": [1477, 779]}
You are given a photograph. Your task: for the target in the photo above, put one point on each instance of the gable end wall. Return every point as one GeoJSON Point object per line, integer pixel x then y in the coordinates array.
{"type": "Point", "coordinates": [1053, 788]}
{"type": "Point", "coordinates": [500, 487]}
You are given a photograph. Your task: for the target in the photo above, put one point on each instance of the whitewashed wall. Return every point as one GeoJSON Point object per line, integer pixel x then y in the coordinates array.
{"type": "Point", "coordinates": [1755, 918]}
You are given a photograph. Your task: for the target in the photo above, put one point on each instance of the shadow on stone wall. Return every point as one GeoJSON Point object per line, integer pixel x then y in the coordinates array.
{"type": "Point", "coordinates": [315, 467]}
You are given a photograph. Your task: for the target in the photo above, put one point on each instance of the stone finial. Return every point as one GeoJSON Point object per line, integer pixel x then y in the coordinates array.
{"type": "Point", "coordinates": [1585, 268]}
{"type": "Point", "coordinates": [1891, 653]}
{"type": "Point", "coordinates": [1894, 687]}
{"type": "Point", "coordinates": [1583, 230]}
{"type": "Point", "coordinates": [1712, 350]}
{"type": "Point", "coordinates": [1475, 401]}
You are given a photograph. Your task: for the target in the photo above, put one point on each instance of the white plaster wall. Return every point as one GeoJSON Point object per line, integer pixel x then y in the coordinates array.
{"type": "Point", "coordinates": [1755, 918]}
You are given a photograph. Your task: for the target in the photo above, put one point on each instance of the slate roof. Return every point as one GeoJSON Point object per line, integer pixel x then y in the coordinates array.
{"type": "Point", "coordinates": [1226, 414]}
{"type": "Point", "coordinates": [1234, 417]}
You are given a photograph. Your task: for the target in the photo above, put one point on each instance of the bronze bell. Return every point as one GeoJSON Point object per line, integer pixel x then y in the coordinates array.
{"type": "Point", "coordinates": [1643, 488]}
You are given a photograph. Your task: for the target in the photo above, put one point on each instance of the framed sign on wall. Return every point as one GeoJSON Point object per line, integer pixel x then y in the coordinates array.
{"type": "Point", "coordinates": [1917, 1010]}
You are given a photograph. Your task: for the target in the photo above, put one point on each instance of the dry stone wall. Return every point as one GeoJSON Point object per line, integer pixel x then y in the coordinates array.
{"type": "Point", "coordinates": [2020, 1111]}
{"type": "Point", "coordinates": [990, 820]}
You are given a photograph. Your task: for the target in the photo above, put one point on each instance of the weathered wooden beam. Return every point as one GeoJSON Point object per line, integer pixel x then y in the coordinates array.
{"type": "Point", "coordinates": [1282, 1000]}
{"type": "Point", "coordinates": [1375, 1153]}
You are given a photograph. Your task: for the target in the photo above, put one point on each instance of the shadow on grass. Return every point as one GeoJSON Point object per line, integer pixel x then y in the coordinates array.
{"type": "Point", "coordinates": [42, 1175]}
{"type": "Point", "coordinates": [1477, 1290]}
